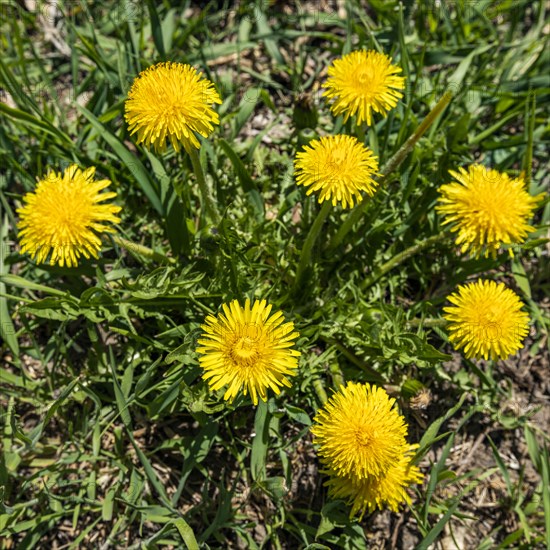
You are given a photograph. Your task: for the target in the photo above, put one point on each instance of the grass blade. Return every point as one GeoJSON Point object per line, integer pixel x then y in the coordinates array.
{"type": "Point", "coordinates": [260, 442]}
{"type": "Point", "coordinates": [131, 162]}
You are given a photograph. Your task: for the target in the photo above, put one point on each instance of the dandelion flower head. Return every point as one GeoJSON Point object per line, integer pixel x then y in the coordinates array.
{"type": "Point", "coordinates": [486, 320]}
{"type": "Point", "coordinates": [248, 348]}
{"type": "Point", "coordinates": [359, 432]}
{"type": "Point", "coordinates": [338, 167]}
{"type": "Point", "coordinates": [486, 209]}
{"type": "Point", "coordinates": [362, 82]}
{"type": "Point", "coordinates": [63, 216]}
{"type": "Point", "coordinates": [171, 101]}
{"type": "Point", "coordinates": [372, 492]}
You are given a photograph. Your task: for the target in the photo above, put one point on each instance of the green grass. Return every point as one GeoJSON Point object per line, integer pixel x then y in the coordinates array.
{"type": "Point", "coordinates": [109, 436]}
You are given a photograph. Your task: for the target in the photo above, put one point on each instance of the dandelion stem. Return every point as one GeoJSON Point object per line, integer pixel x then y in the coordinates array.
{"type": "Point", "coordinates": [205, 192]}
{"type": "Point", "coordinates": [530, 132]}
{"type": "Point", "coordinates": [360, 133]}
{"type": "Point", "coordinates": [142, 250]}
{"type": "Point", "coordinates": [400, 258]}
{"type": "Point", "coordinates": [305, 257]}
{"type": "Point", "coordinates": [350, 356]}
{"type": "Point", "coordinates": [427, 322]}
{"type": "Point", "coordinates": [408, 146]}
{"type": "Point", "coordinates": [390, 166]}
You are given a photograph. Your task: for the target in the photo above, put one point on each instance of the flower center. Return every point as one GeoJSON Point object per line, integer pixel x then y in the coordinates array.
{"type": "Point", "coordinates": [365, 76]}
{"type": "Point", "coordinates": [492, 205]}
{"type": "Point", "coordinates": [335, 166]}
{"type": "Point", "coordinates": [245, 351]}
{"type": "Point", "coordinates": [363, 438]}
{"type": "Point", "coordinates": [68, 215]}
{"type": "Point", "coordinates": [490, 325]}
{"type": "Point", "coordinates": [366, 80]}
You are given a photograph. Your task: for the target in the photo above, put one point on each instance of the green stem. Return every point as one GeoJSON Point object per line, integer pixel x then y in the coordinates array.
{"type": "Point", "coordinates": [373, 376]}
{"type": "Point", "coordinates": [142, 250]}
{"type": "Point", "coordinates": [530, 132]}
{"type": "Point", "coordinates": [185, 240]}
{"type": "Point", "coordinates": [209, 203]}
{"type": "Point", "coordinates": [400, 258]}
{"type": "Point", "coordinates": [390, 166]}
{"type": "Point", "coordinates": [408, 146]}
{"type": "Point", "coordinates": [427, 322]}
{"type": "Point", "coordinates": [360, 133]}
{"type": "Point", "coordinates": [16, 298]}
{"type": "Point", "coordinates": [305, 257]}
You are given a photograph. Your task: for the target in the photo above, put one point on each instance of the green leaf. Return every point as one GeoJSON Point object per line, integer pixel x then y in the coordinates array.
{"type": "Point", "coordinates": [545, 462]}
{"type": "Point", "coordinates": [521, 278]}
{"type": "Point", "coordinates": [456, 79]}
{"type": "Point", "coordinates": [165, 399]}
{"type": "Point", "coordinates": [275, 487]}
{"type": "Point", "coordinates": [131, 162]}
{"type": "Point", "coordinates": [156, 28]}
{"type": "Point", "coordinates": [17, 281]}
{"type": "Point", "coordinates": [7, 329]}
{"type": "Point", "coordinates": [8, 377]}
{"type": "Point", "coordinates": [438, 527]}
{"type": "Point", "coordinates": [29, 120]}
{"type": "Point", "coordinates": [182, 353]}
{"type": "Point", "coordinates": [326, 525]}
{"type": "Point", "coordinates": [265, 33]}
{"type": "Point", "coordinates": [298, 415]}
{"type": "Point", "coordinates": [424, 350]}
{"type": "Point", "coordinates": [258, 454]}
{"type": "Point", "coordinates": [121, 401]}
{"type": "Point", "coordinates": [186, 533]}
{"type": "Point", "coordinates": [533, 447]}
{"type": "Point", "coordinates": [433, 428]}
{"type": "Point", "coordinates": [175, 216]}
{"type": "Point", "coordinates": [145, 378]}
{"type": "Point", "coordinates": [529, 245]}
{"type": "Point", "coordinates": [436, 470]}
{"type": "Point", "coordinates": [246, 108]}
{"type": "Point", "coordinates": [57, 309]}
{"type": "Point", "coordinates": [502, 467]}
{"type": "Point", "coordinates": [108, 504]}
{"type": "Point", "coordinates": [37, 432]}
{"type": "Point", "coordinates": [246, 181]}
{"type": "Point", "coordinates": [195, 450]}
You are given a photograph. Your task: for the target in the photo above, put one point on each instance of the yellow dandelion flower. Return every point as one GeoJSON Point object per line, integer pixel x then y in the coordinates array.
{"type": "Point", "coordinates": [63, 216]}
{"type": "Point", "coordinates": [359, 432]}
{"type": "Point", "coordinates": [486, 209]}
{"type": "Point", "coordinates": [248, 348]}
{"type": "Point", "coordinates": [171, 100]}
{"type": "Point", "coordinates": [340, 167]}
{"type": "Point", "coordinates": [486, 320]}
{"type": "Point", "coordinates": [372, 492]}
{"type": "Point", "coordinates": [361, 82]}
